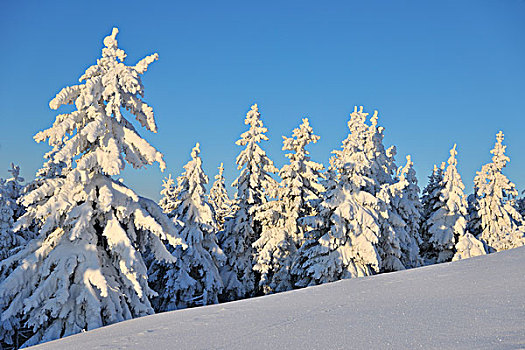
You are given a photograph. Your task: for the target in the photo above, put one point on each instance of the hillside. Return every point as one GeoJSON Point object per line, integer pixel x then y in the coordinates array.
{"type": "Point", "coordinates": [478, 303]}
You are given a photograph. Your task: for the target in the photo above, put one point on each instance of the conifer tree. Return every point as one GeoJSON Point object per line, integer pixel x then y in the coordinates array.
{"type": "Point", "coordinates": [194, 278]}
{"type": "Point", "coordinates": [383, 185]}
{"type": "Point", "coordinates": [169, 194]}
{"type": "Point", "coordinates": [405, 214]}
{"type": "Point", "coordinates": [521, 207]}
{"type": "Point", "coordinates": [344, 238]}
{"type": "Point", "coordinates": [447, 222]}
{"type": "Point", "coordinates": [85, 268]}
{"type": "Point", "coordinates": [468, 246]}
{"type": "Point", "coordinates": [253, 186]}
{"type": "Point", "coordinates": [219, 200]}
{"type": "Point", "coordinates": [281, 231]}
{"type": "Point", "coordinates": [429, 199]}
{"type": "Point", "coordinates": [10, 190]}
{"type": "Point", "coordinates": [500, 226]}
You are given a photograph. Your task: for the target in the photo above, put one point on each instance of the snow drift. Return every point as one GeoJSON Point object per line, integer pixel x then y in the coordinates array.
{"type": "Point", "coordinates": [477, 303]}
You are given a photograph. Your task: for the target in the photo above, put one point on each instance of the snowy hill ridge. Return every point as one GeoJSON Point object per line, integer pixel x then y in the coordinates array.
{"type": "Point", "coordinates": [477, 303]}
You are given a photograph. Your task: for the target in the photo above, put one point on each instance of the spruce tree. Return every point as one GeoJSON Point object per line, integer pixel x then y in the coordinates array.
{"type": "Point", "coordinates": [405, 214]}
{"type": "Point", "coordinates": [447, 222]}
{"type": "Point", "coordinates": [219, 200]}
{"type": "Point", "coordinates": [85, 268]}
{"type": "Point", "coordinates": [253, 186]}
{"type": "Point", "coordinates": [383, 185]}
{"type": "Point", "coordinates": [429, 199]}
{"type": "Point", "coordinates": [500, 226]}
{"type": "Point", "coordinates": [10, 190]}
{"type": "Point", "coordinates": [281, 231]}
{"type": "Point", "coordinates": [194, 278]}
{"type": "Point", "coordinates": [343, 240]}
{"type": "Point", "coordinates": [169, 194]}
{"type": "Point", "coordinates": [521, 207]}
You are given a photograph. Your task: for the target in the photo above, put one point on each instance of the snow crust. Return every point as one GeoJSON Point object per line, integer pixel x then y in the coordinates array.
{"type": "Point", "coordinates": [475, 303]}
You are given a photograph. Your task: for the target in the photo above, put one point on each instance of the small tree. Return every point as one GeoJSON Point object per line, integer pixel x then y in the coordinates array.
{"type": "Point", "coordinates": [500, 225]}
{"type": "Point", "coordinates": [521, 206]}
{"type": "Point", "coordinates": [169, 194]}
{"type": "Point", "coordinates": [281, 231]}
{"type": "Point", "coordinates": [85, 268]}
{"type": "Point", "coordinates": [194, 278]}
{"type": "Point", "coordinates": [219, 200]}
{"type": "Point", "coordinates": [10, 190]}
{"type": "Point", "coordinates": [468, 246]}
{"type": "Point", "coordinates": [253, 186]}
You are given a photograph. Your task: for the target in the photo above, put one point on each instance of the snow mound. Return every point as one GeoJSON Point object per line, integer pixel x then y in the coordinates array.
{"type": "Point", "coordinates": [476, 303]}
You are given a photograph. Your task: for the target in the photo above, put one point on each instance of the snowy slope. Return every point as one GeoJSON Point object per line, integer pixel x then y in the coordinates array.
{"type": "Point", "coordinates": [478, 303]}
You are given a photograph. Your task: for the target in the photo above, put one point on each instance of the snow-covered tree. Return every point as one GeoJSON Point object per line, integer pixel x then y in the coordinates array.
{"type": "Point", "coordinates": [194, 278]}
{"type": "Point", "coordinates": [429, 199]}
{"type": "Point", "coordinates": [405, 213]}
{"type": "Point", "coordinates": [430, 194]}
{"type": "Point", "coordinates": [169, 194]}
{"type": "Point", "coordinates": [10, 211]}
{"type": "Point", "coordinates": [85, 268]}
{"type": "Point", "coordinates": [219, 199]}
{"type": "Point", "coordinates": [281, 232]}
{"type": "Point", "coordinates": [500, 226]}
{"type": "Point", "coordinates": [468, 246]}
{"type": "Point", "coordinates": [447, 222]}
{"type": "Point", "coordinates": [253, 186]}
{"type": "Point", "coordinates": [383, 185]}
{"type": "Point", "coordinates": [344, 238]}
{"type": "Point", "coordinates": [521, 206]}
{"type": "Point", "coordinates": [300, 187]}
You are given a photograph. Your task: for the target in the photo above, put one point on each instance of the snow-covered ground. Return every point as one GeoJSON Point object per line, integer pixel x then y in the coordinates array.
{"type": "Point", "coordinates": [478, 303]}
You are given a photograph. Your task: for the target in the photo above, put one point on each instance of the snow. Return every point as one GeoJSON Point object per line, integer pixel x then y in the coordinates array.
{"type": "Point", "coordinates": [475, 303]}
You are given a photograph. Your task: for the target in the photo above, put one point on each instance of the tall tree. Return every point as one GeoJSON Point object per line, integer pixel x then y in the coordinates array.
{"type": "Point", "coordinates": [219, 199]}
{"type": "Point", "coordinates": [344, 238]}
{"type": "Point", "coordinates": [447, 222]}
{"type": "Point", "coordinates": [281, 231]}
{"type": "Point", "coordinates": [405, 213]}
{"type": "Point", "coordinates": [253, 186]}
{"type": "Point", "coordinates": [430, 199]}
{"type": "Point", "coordinates": [500, 225]}
{"type": "Point", "coordinates": [85, 268]}
{"type": "Point", "coordinates": [194, 278]}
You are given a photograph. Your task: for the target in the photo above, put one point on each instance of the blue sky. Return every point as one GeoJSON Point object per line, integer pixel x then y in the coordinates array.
{"type": "Point", "coordinates": [438, 72]}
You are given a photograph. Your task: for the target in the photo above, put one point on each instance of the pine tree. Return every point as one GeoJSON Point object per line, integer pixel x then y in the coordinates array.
{"type": "Point", "coordinates": [500, 226]}
{"type": "Point", "coordinates": [219, 200]}
{"type": "Point", "coordinates": [194, 278]}
{"type": "Point", "coordinates": [10, 190]}
{"type": "Point", "coordinates": [253, 186]}
{"type": "Point", "coordinates": [344, 238]}
{"type": "Point", "coordinates": [85, 268]}
{"type": "Point", "coordinates": [447, 223]}
{"type": "Point", "coordinates": [281, 231]}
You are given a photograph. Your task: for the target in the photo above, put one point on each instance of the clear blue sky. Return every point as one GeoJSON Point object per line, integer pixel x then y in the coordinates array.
{"type": "Point", "coordinates": [439, 72]}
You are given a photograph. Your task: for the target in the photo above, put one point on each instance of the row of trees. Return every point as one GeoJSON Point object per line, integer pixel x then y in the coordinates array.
{"type": "Point", "coordinates": [79, 249]}
{"type": "Point", "coordinates": [361, 216]}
